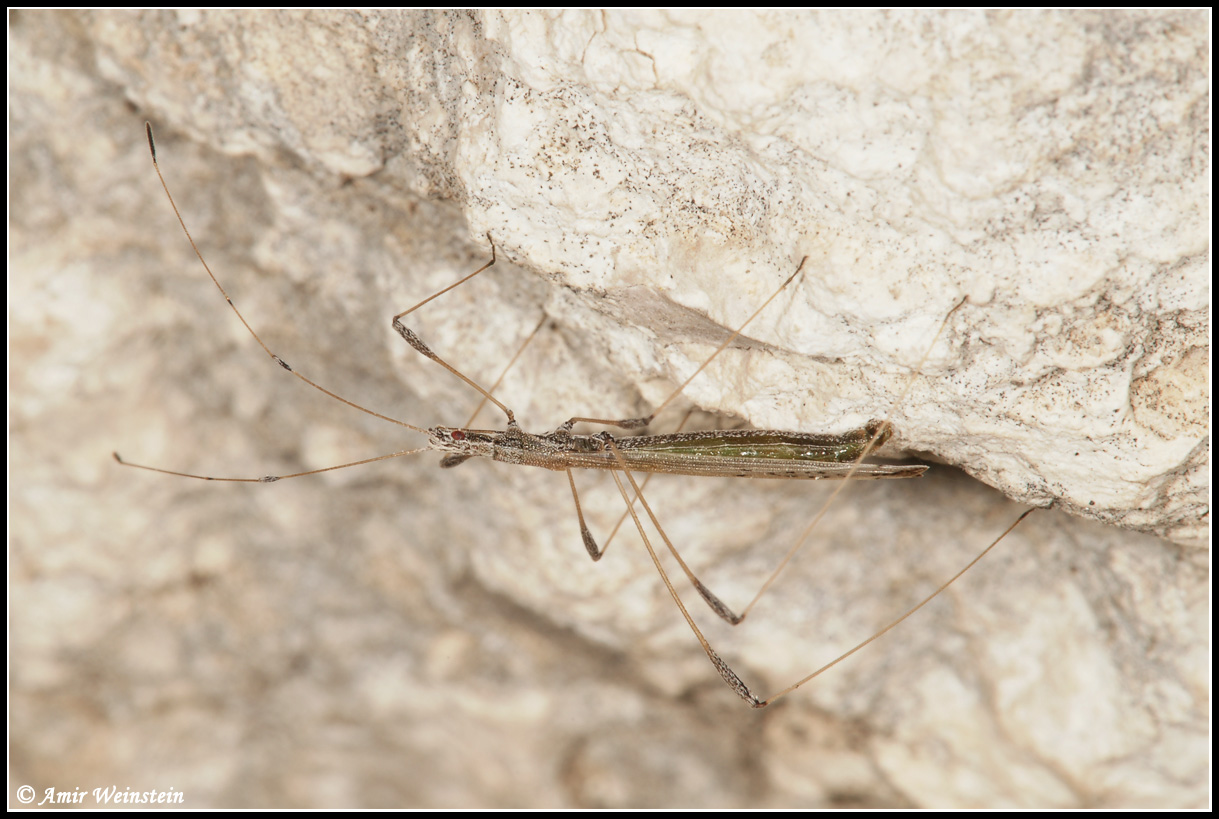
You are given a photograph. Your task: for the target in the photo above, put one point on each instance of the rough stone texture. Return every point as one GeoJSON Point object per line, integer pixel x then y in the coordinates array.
{"type": "Point", "coordinates": [399, 636]}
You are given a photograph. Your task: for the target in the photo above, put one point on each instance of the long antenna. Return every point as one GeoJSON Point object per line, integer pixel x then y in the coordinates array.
{"type": "Point", "coordinates": [152, 148]}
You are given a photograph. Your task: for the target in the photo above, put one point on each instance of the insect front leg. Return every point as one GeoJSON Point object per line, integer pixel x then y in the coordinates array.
{"type": "Point", "coordinates": [622, 423]}
{"type": "Point", "coordinates": [420, 347]}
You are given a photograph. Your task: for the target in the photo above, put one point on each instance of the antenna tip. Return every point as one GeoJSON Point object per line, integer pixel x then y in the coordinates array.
{"type": "Point", "coordinates": [151, 145]}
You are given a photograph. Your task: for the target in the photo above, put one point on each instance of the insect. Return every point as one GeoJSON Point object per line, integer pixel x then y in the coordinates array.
{"type": "Point", "coordinates": [774, 454]}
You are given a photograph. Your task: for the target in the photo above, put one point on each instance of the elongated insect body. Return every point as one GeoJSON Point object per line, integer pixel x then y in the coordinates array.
{"type": "Point", "coordinates": [743, 453]}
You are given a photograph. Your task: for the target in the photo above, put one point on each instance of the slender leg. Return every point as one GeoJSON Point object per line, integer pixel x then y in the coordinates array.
{"type": "Point", "coordinates": [589, 543]}
{"type": "Point", "coordinates": [729, 676]}
{"type": "Point", "coordinates": [417, 343]}
{"type": "Point", "coordinates": [507, 367]}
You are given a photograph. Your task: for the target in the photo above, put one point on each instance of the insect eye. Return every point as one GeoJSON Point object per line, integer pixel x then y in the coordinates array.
{"type": "Point", "coordinates": [457, 435]}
